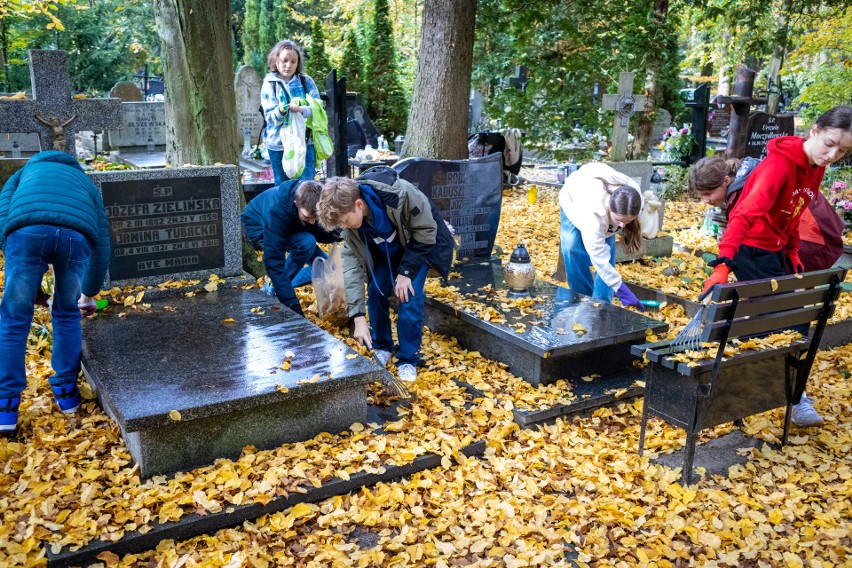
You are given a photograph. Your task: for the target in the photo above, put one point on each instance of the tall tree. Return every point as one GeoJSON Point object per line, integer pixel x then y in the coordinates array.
{"type": "Point", "coordinates": [352, 63]}
{"type": "Point", "coordinates": [251, 29]}
{"type": "Point", "coordinates": [201, 125]}
{"type": "Point", "coordinates": [279, 15]}
{"type": "Point", "coordinates": [437, 121]}
{"type": "Point", "coordinates": [386, 100]}
{"type": "Point", "coordinates": [317, 59]}
{"type": "Point", "coordinates": [266, 31]}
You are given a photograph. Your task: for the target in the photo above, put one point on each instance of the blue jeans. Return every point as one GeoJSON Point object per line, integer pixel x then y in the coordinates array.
{"type": "Point", "coordinates": [302, 250]}
{"type": "Point", "coordinates": [28, 252]}
{"type": "Point", "coordinates": [409, 323]}
{"type": "Point", "coordinates": [577, 262]}
{"type": "Point", "coordinates": [310, 171]}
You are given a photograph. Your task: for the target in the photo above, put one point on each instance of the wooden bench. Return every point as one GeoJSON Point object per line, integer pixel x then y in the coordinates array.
{"type": "Point", "coordinates": [713, 391]}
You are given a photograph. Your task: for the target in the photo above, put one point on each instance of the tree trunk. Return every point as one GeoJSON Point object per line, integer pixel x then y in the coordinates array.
{"type": "Point", "coordinates": [437, 121]}
{"type": "Point", "coordinates": [201, 123]}
{"type": "Point", "coordinates": [724, 89]}
{"type": "Point", "coordinates": [645, 126]}
{"type": "Point", "coordinates": [779, 50]}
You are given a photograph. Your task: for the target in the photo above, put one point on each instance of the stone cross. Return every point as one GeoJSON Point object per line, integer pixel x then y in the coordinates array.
{"type": "Point", "coordinates": [625, 104]}
{"type": "Point", "coordinates": [52, 112]}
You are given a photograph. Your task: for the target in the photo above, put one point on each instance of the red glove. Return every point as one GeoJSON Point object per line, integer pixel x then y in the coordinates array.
{"type": "Point", "coordinates": [719, 276]}
{"type": "Point", "coordinates": [798, 267]}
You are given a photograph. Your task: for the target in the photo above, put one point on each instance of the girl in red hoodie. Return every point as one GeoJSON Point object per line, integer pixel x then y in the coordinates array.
{"type": "Point", "coordinates": [762, 238]}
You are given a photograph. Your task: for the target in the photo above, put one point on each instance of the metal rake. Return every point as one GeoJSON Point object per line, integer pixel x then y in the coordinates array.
{"type": "Point", "coordinates": [689, 338]}
{"type": "Point", "coordinates": [393, 386]}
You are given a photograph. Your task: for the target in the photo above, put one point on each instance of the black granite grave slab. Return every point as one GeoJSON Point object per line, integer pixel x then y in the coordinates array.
{"type": "Point", "coordinates": [193, 525]}
{"type": "Point", "coordinates": [224, 378]}
{"type": "Point", "coordinates": [548, 348]}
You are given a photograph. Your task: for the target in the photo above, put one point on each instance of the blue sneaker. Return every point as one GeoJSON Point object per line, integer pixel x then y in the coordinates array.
{"type": "Point", "coordinates": [9, 415]}
{"type": "Point", "coordinates": [67, 397]}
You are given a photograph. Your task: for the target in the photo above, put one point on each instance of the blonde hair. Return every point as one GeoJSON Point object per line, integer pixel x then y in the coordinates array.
{"type": "Point", "coordinates": [625, 200]}
{"type": "Point", "coordinates": [709, 173]}
{"type": "Point", "coordinates": [336, 200]}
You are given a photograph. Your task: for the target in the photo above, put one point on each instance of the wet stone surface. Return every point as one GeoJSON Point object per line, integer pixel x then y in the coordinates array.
{"type": "Point", "coordinates": [223, 378]}
{"type": "Point", "coordinates": [548, 348]}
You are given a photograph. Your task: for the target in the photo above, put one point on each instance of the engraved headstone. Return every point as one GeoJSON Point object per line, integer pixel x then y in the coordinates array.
{"type": "Point", "coordinates": [247, 84]}
{"type": "Point", "coordinates": [719, 123]}
{"type": "Point", "coordinates": [355, 109]}
{"type": "Point", "coordinates": [176, 223]}
{"type": "Point", "coordinates": [764, 127]}
{"type": "Point", "coordinates": [53, 113]}
{"type": "Point", "coordinates": [126, 91]}
{"type": "Point", "coordinates": [468, 193]}
{"type": "Point", "coordinates": [140, 122]}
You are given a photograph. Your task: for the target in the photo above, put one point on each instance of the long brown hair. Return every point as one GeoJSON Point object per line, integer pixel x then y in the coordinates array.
{"type": "Point", "coordinates": [626, 200]}
{"type": "Point", "coordinates": [709, 173]}
{"type": "Point", "coordinates": [272, 58]}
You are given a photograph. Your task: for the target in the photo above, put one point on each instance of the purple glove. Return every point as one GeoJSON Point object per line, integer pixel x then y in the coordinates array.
{"type": "Point", "coordinates": [627, 298]}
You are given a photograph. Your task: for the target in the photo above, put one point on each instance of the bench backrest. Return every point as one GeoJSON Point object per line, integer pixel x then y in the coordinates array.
{"type": "Point", "coordinates": [771, 304]}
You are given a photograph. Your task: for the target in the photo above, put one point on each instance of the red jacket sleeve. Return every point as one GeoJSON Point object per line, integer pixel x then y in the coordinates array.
{"type": "Point", "coordinates": [758, 197]}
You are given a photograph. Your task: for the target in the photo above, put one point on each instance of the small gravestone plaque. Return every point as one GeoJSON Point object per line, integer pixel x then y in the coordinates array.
{"type": "Point", "coordinates": [28, 143]}
{"type": "Point", "coordinates": [181, 222]}
{"type": "Point", "coordinates": [662, 122]}
{"type": "Point", "coordinates": [468, 193]}
{"type": "Point", "coordinates": [126, 91]}
{"type": "Point", "coordinates": [762, 128]}
{"type": "Point", "coordinates": [247, 89]}
{"type": "Point", "coordinates": [719, 122]}
{"type": "Point", "coordinates": [140, 122]}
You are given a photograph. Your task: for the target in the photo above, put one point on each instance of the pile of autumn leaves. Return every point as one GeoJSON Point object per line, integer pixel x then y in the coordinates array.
{"type": "Point", "coordinates": [576, 487]}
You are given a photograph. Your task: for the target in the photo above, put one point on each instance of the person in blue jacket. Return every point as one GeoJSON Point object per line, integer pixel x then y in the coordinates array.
{"type": "Point", "coordinates": [50, 213]}
{"type": "Point", "coordinates": [283, 221]}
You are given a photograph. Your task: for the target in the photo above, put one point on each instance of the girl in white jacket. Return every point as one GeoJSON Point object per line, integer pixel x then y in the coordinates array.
{"type": "Point", "coordinates": [596, 203]}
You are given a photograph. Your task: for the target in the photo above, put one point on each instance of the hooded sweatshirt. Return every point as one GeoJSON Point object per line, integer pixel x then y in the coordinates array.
{"type": "Point", "coordinates": [585, 202]}
{"type": "Point", "coordinates": [769, 210]}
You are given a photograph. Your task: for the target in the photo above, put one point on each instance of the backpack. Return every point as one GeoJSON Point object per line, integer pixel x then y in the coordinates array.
{"type": "Point", "coordinates": [440, 256]}
{"type": "Point", "coordinates": [820, 228]}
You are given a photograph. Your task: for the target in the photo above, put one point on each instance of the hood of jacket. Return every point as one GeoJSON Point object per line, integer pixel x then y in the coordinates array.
{"type": "Point", "coordinates": [57, 157]}
{"type": "Point", "coordinates": [791, 148]}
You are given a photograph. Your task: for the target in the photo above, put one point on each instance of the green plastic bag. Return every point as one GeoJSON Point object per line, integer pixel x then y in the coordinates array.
{"type": "Point", "coordinates": [318, 123]}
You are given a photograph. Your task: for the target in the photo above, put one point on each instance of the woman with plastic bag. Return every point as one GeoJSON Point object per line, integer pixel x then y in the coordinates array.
{"type": "Point", "coordinates": [289, 142]}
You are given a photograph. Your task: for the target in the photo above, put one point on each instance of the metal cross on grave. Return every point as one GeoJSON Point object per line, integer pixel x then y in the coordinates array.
{"type": "Point", "coordinates": [625, 104]}
{"type": "Point", "coordinates": [52, 112]}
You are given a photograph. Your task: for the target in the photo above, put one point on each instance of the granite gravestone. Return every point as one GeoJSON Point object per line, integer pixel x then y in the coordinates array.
{"type": "Point", "coordinates": [52, 113]}
{"type": "Point", "coordinates": [625, 104]}
{"type": "Point", "coordinates": [126, 91]}
{"type": "Point", "coordinates": [247, 83]}
{"type": "Point", "coordinates": [468, 193]}
{"type": "Point", "coordinates": [141, 123]}
{"type": "Point", "coordinates": [355, 109]}
{"type": "Point", "coordinates": [719, 123]}
{"type": "Point", "coordinates": [178, 223]}
{"type": "Point", "coordinates": [762, 128]}
{"type": "Point", "coordinates": [28, 143]}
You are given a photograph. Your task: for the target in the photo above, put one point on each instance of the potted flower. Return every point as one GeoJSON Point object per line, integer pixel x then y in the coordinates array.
{"type": "Point", "coordinates": [841, 199]}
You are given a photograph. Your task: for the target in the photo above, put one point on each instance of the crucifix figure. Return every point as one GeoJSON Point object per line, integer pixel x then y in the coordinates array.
{"type": "Point", "coordinates": [57, 129]}
{"type": "Point", "coordinates": [52, 112]}
{"type": "Point", "coordinates": [625, 104]}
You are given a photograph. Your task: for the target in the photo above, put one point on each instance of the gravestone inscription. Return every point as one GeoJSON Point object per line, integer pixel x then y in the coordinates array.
{"type": "Point", "coordinates": [247, 88]}
{"type": "Point", "coordinates": [181, 222]}
{"type": "Point", "coordinates": [719, 122]}
{"type": "Point", "coordinates": [140, 122]}
{"type": "Point", "coordinates": [468, 193]}
{"type": "Point", "coordinates": [762, 128]}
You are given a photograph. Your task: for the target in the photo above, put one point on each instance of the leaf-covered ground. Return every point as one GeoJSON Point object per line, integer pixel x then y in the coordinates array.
{"type": "Point", "coordinates": [576, 484]}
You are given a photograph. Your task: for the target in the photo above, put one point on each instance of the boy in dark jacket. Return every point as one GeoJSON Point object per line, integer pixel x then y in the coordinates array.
{"type": "Point", "coordinates": [50, 213]}
{"type": "Point", "coordinates": [283, 221]}
{"type": "Point", "coordinates": [391, 238]}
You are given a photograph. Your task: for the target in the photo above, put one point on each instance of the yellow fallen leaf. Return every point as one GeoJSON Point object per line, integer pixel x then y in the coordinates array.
{"type": "Point", "coordinates": [351, 356]}
{"type": "Point", "coordinates": [174, 415]}
{"type": "Point", "coordinates": [773, 284]}
{"type": "Point", "coordinates": [282, 389]}
{"type": "Point", "coordinates": [286, 365]}
{"type": "Point", "coordinates": [300, 510]}
{"type": "Point", "coordinates": [228, 320]}
{"type": "Point", "coordinates": [211, 286]}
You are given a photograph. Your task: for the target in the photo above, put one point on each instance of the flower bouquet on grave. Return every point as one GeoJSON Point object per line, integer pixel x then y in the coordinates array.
{"type": "Point", "coordinates": [677, 143]}
{"type": "Point", "coordinates": [841, 199]}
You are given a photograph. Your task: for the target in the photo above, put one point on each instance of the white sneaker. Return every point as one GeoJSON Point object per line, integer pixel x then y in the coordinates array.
{"type": "Point", "coordinates": [805, 415]}
{"type": "Point", "coordinates": [382, 357]}
{"type": "Point", "coordinates": [407, 373]}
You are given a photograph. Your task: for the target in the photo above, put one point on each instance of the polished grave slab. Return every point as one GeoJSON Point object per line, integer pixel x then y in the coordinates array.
{"type": "Point", "coordinates": [223, 378]}
{"type": "Point", "coordinates": [545, 348]}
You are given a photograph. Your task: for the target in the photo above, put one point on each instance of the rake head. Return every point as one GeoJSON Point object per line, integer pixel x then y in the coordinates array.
{"type": "Point", "coordinates": [689, 338]}
{"type": "Point", "coordinates": [392, 385]}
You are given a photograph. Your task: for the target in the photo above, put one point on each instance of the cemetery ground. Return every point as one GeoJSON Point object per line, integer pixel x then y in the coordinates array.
{"type": "Point", "coordinates": [570, 492]}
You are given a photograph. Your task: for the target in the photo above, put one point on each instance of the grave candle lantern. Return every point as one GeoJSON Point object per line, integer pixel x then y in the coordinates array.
{"type": "Point", "coordinates": [519, 273]}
